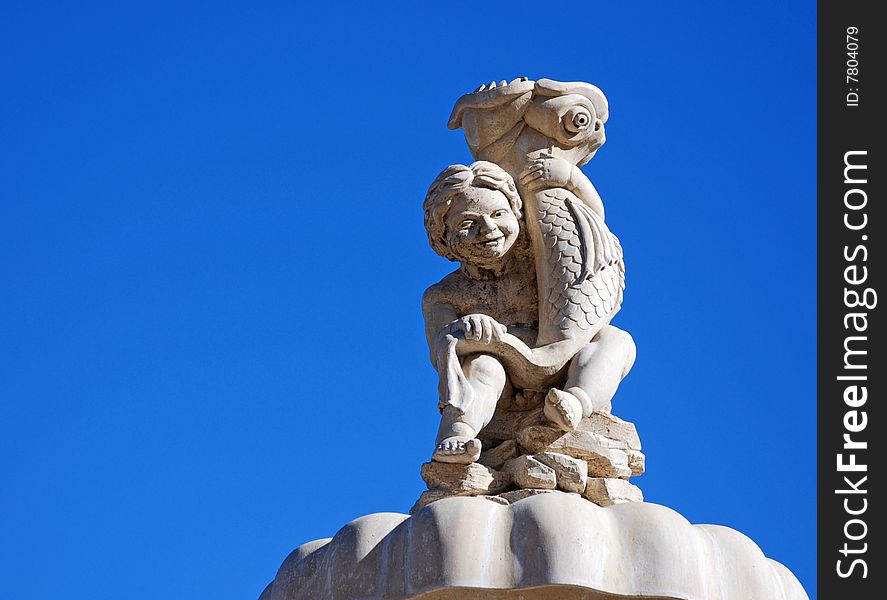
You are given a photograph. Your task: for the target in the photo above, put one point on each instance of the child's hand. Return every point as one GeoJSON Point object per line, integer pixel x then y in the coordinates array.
{"type": "Point", "coordinates": [478, 328]}
{"type": "Point", "coordinates": [547, 172]}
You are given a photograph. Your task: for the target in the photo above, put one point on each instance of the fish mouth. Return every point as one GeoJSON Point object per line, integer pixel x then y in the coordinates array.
{"type": "Point", "coordinates": [490, 112]}
{"type": "Point", "coordinates": [491, 96]}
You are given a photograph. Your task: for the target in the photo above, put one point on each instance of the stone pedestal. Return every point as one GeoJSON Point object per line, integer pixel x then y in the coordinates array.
{"type": "Point", "coordinates": [547, 545]}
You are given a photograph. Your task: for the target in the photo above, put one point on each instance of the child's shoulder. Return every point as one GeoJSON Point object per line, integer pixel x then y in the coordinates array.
{"type": "Point", "coordinates": [447, 289]}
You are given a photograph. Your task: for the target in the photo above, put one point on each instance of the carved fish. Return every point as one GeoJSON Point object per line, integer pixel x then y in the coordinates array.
{"type": "Point", "coordinates": [579, 265]}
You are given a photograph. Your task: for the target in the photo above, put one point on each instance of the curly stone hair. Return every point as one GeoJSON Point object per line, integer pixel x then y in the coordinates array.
{"type": "Point", "coordinates": [451, 182]}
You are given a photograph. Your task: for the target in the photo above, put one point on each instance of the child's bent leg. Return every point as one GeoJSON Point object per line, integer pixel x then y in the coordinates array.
{"type": "Point", "coordinates": [456, 438]}
{"type": "Point", "coordinates": [597, 369]}
{"type": "Point", "coordinates": [592, 379]}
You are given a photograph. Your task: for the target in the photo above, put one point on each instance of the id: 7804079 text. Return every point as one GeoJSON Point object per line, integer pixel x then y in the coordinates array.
{"type": "Point", "coordinates": [852, 64]}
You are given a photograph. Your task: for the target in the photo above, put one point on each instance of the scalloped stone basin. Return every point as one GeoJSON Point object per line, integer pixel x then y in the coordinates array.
{"type": "Point", "coordinates": [554, 546]}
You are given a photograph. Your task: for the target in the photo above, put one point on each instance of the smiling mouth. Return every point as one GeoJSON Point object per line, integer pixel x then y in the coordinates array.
{"type": "Point", "coordinates": [493, 242]}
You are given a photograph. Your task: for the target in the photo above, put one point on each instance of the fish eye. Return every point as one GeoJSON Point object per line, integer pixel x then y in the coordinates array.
{"type": "Point", "coordinates": [577, 119]}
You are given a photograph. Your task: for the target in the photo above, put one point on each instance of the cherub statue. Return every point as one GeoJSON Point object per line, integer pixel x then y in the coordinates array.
{"type": "Point", "coordinates": [482, 320]}
{"type": "Point", "coordinates": [540, 133]}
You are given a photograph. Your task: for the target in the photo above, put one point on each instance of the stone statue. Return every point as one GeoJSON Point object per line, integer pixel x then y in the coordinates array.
{"type": "Point", "coordinates": [528, 493]}
{"type": "Point", "coordinates": [527, 313]}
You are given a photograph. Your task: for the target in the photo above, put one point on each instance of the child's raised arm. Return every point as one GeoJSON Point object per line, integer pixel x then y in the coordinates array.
{"type": "Point", "coordinates": [548, 171]}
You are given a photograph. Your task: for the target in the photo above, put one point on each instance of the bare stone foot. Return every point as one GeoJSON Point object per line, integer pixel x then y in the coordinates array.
{"type": "Point", "coordinates": [563, 409]}
{"type": "Point", "coordinates": [457, 449]}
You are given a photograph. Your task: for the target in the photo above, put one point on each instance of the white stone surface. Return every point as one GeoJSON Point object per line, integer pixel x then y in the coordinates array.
{"type": "Point", "coordinates": [529, 473]}
{"type": "Point", "coordinates": [496, 457]}
{"type": "Point", "coordinates": [605, 457]}
{"type": "Point", "coordinates": [548, 546]}
{"type": "Point", "coordinates": [637, 462]}
{"type": "Point", "coordinates": [572, 473]}
{"type": "Point", "coordinates": [605, 491]}
{"type": "Point", "coordinates": [612, 427]}
{"type": "Point", "coordinates": [469, 479]}
{"type": "Point", "coordinates": [518, 495]}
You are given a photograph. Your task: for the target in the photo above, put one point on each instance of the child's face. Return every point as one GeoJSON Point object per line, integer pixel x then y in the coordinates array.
{"type": "Point", "coordinates": [481, 227]}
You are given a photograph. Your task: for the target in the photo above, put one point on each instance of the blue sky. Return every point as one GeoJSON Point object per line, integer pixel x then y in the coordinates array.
{"type": "Point", "coordinates": [212, 257]}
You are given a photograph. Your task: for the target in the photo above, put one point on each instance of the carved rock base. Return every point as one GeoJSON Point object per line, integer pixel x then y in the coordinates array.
{"type": "Point", "coordinates": [464, 480]}
{"type": "Point", "coordinates": [523, 451]}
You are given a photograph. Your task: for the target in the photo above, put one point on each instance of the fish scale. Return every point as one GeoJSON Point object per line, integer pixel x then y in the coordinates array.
{"type": "Point", "coordinates": [587, 274]}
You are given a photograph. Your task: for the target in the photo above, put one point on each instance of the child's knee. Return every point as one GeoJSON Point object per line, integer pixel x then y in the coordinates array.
{"type": "Point", "coordinates": [485, 369]}
{"type": "Point", "coordinates": [625, 343]}
{"type": "Point", "coordinates": [614, 344]}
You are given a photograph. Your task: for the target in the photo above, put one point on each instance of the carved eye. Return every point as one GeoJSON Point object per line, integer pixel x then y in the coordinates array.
{"type": "Point", "coordinates": [466, 224]}
{"type": "Point", "coordinates": [577, 119]}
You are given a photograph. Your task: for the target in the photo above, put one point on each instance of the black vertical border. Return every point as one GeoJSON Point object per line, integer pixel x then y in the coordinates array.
{"type": "Point", "coordinates": [843, 128]}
